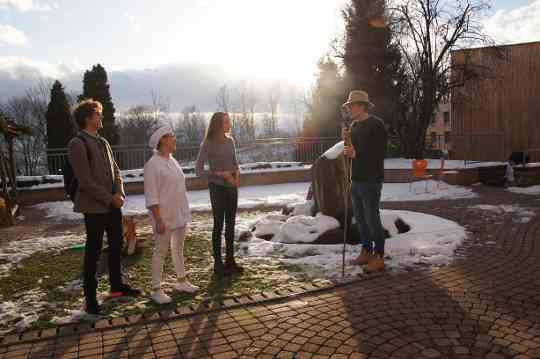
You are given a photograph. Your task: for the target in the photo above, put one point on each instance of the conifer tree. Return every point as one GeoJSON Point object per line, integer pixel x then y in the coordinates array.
{"type": "Point", "coordinates": [60, 127]}
{"type": "Point", "coordinates": [96, 86]}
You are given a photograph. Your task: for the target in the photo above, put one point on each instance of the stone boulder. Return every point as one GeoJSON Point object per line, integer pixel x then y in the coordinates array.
{"type": "Point", "coordinates": [328, 184]}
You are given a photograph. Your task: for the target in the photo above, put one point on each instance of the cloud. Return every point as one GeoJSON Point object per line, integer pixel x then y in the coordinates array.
{"type": "Point", "coordinates": [517, 25]}
{"type": "Point", "coordinates": [10, 36]}
{"type": "Point", "coordinates": [27, 5]}
{"type": "Point", "coordinates": [133, 22]}
{"type": "Point", "coordinates": [20, 68]}
{"type": "Point", "coordinates": [183, 84]}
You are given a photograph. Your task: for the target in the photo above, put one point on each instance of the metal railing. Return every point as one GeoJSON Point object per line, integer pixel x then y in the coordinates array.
{"type": "Point", "coordinates": [301, 149]}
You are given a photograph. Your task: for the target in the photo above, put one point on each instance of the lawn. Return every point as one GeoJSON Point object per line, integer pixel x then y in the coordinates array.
{"type": "Point", "coordinates": [45, 288]}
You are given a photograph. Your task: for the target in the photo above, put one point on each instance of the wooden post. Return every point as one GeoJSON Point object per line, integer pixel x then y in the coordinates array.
{"type": "Point", "coordinates": [12, 166]}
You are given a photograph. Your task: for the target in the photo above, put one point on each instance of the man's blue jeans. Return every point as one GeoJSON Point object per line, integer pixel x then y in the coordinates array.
{"type": "Point", "coordinates": [366, 197]}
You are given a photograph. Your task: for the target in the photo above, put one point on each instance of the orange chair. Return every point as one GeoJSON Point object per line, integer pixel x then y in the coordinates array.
{"type": "Point", "coordinates": [419, 173]}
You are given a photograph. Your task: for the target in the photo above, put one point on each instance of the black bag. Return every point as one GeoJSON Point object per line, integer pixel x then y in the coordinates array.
{"type": "Point", "coordinates": [71, 184]}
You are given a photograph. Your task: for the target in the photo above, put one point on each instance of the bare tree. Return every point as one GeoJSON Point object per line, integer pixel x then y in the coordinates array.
{"type": "Point", "coordinates": [137, 124]}
{"type": "Point", "coordinates": [191, 126]}
{"type": "Point", "coordinates": [161, 109]}
{"type": "Point", "coordinates": [29, 110]}
{"type": "Point", "coordinates": [246, 100]}
{"type": "Point", "coordinates": [223, 99]}
{"type": "Point", "coordinates": [225, 104]}
{"type": "Point", "coordinates": [426, 33]}
{"type": "Point", "coordinates": [274, 97]}
{"type": "Point", "coordinates": [252, 100]}
{"type": "Point", "coordinates": [297, 105]}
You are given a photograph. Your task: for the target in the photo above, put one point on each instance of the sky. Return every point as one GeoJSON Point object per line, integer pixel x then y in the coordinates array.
{"type": "Point", "coordinates": [263, 39]}
{"type": "Point", "coordinates": [252, 36]}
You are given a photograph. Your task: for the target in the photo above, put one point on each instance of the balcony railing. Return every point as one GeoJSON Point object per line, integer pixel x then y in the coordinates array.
{"type": "Point", "coordinates": [303, 149]}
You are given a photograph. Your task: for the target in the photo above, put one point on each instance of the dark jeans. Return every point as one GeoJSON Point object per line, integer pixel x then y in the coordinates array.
{"type": "Point", "coordinates": [96, 225]}
{"type": "Point", "coordinates": [224, 204]}
{"type": "Point", "coordinates": [366, 197]}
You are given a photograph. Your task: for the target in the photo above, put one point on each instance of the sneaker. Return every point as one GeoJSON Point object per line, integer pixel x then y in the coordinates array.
{"type": "Point", "coordinates": [363, 258]}
{"type": "Point", "coordinates": [160, 297]}
{"type": "Point", "coordinates": [185, 286]}
{"type": "Point", "coordinates": [125, 291]}
{"type": "Point", "coordinates": [233, 268]}
{"type": "Point", "coordinates": [375, 264]}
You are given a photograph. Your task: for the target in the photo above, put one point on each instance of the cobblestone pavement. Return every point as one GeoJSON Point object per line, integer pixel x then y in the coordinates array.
{"type": "Point", "coordinates": [485, 305]}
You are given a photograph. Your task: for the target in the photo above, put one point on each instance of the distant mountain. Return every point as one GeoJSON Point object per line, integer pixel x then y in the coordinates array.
{"type": "Point", "coordinates": [180, 84]}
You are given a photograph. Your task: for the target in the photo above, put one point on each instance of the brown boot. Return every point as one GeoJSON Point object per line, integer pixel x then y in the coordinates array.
{"type": "Point", "coordinates": [375, 264]}
{"type": "Point", "coordinates": [363, 258]}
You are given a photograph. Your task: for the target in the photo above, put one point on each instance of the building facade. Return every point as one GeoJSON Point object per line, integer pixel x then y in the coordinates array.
{"type": "Point", "coordinates": [439, 131]}
{"type": "Point", "coordinates": [499, 112]}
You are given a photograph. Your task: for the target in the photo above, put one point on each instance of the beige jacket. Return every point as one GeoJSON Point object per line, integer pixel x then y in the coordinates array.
{"type": "Point", "coordinates": [99, 179]}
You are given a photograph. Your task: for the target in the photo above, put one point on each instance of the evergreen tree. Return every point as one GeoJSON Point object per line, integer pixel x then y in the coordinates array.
{"type": "Point", "coordinates": [371, 59]}
{"type": "Point", "coordinates": [324, 109]}
{"type": "Point", "coordinates": [60, 127]}
{"type": "Point", "coordinates": [96, 87]}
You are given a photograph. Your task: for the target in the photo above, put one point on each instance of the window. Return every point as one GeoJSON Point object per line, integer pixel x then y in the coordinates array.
{"type": "Point", "coordinates": [447, 137]}
{"type": "Point", "coordinates": [446, 116]}
{"type": "Point", "coordinates": [433, 138]}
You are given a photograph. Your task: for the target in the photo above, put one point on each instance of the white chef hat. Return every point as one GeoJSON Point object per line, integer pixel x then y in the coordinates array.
{"type": "Point", "coordinates": [156, 136]}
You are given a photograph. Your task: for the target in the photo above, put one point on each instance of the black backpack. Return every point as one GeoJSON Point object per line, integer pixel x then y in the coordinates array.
{"type": "Point", "coordinates": [71, 184]}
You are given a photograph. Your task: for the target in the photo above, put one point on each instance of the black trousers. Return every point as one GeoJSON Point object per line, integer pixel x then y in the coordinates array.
{"type": "Point", "coordinates": [224, 205]}
{"type": "Point", "coordinates": [96, 226]}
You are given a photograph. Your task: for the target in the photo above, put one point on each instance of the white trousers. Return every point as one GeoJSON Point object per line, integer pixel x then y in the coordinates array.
{"type": "Point", "coordinates": [175, 239]}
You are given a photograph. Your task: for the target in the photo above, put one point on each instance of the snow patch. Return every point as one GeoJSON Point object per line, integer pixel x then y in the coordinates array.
{"type": "Point", "coordinates": [18, 315]}
{"type": "Point", "coordinates": [15, 251]}
{"type": "Point", "coordinates": [278, 195]}
{"type": "Point", "coordinates": [533, 190]}
{"type": "Point", "coordinates": [524, 215]}
{"type": "Point", "coordinates": [305, 229]}
{"type": "Point", "coordinates": [431, 241]}
{"type": "Point", "coordinates": [400, 192]}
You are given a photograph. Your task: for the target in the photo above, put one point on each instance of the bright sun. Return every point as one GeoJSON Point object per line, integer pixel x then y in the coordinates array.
{"type": "Point", "coordinates": [268, 41]}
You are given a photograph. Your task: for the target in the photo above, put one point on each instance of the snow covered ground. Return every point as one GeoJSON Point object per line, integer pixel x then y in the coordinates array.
{"type": "Point", "coordinates": [523, 215]}
{"type": "Point", "coordinates": [270, 195]}
{"type": "Point", "coordinates": [533, 190]}
{"type": "Point", "coordinates": [404, 163]}
{"type": "Point", "coordinates": [136, 175]}
{"type": "Point", "coordinates": [431, 241]}
{"type": "Point", "coordinates": [15, 251]}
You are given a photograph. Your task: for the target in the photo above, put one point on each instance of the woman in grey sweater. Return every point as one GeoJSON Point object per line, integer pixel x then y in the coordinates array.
{"type": "Point", "coordinates": [223, 181]}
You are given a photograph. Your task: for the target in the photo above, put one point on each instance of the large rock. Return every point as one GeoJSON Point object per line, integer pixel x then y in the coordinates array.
{"type": "Point", "coordinates": [328, 183]}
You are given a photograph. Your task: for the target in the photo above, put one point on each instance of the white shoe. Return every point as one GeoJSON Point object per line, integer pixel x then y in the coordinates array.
{"type": "Point", "coordinates": [160, 297]}
{"type": "Point", "coordinates": [186, 286]}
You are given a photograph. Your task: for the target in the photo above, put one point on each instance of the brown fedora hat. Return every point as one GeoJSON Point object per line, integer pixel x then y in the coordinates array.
{"type": "Point", "coordinates": [358, 96]}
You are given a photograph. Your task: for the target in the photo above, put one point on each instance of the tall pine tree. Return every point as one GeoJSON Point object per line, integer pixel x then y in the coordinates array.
{"type": "Point", "coordinates": [60, 127]}
{"type": "Point", "coordinates": [96, 87]}
{"type": "Point", "coordinates": [371, 59]}
{"type": "Point", "coordinates": [324, 109]}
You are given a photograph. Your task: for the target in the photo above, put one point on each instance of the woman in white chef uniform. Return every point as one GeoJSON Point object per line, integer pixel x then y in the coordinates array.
{"type": "Point", "coordinates": [166, 200]}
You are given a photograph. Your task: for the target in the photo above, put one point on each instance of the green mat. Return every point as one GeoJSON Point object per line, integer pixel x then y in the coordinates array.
{"type": "Point", "coordinates": [77, 247]}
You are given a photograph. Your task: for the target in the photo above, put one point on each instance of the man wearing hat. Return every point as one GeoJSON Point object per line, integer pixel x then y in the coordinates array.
{"type": "Point", "coordinates": [367, 150]}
